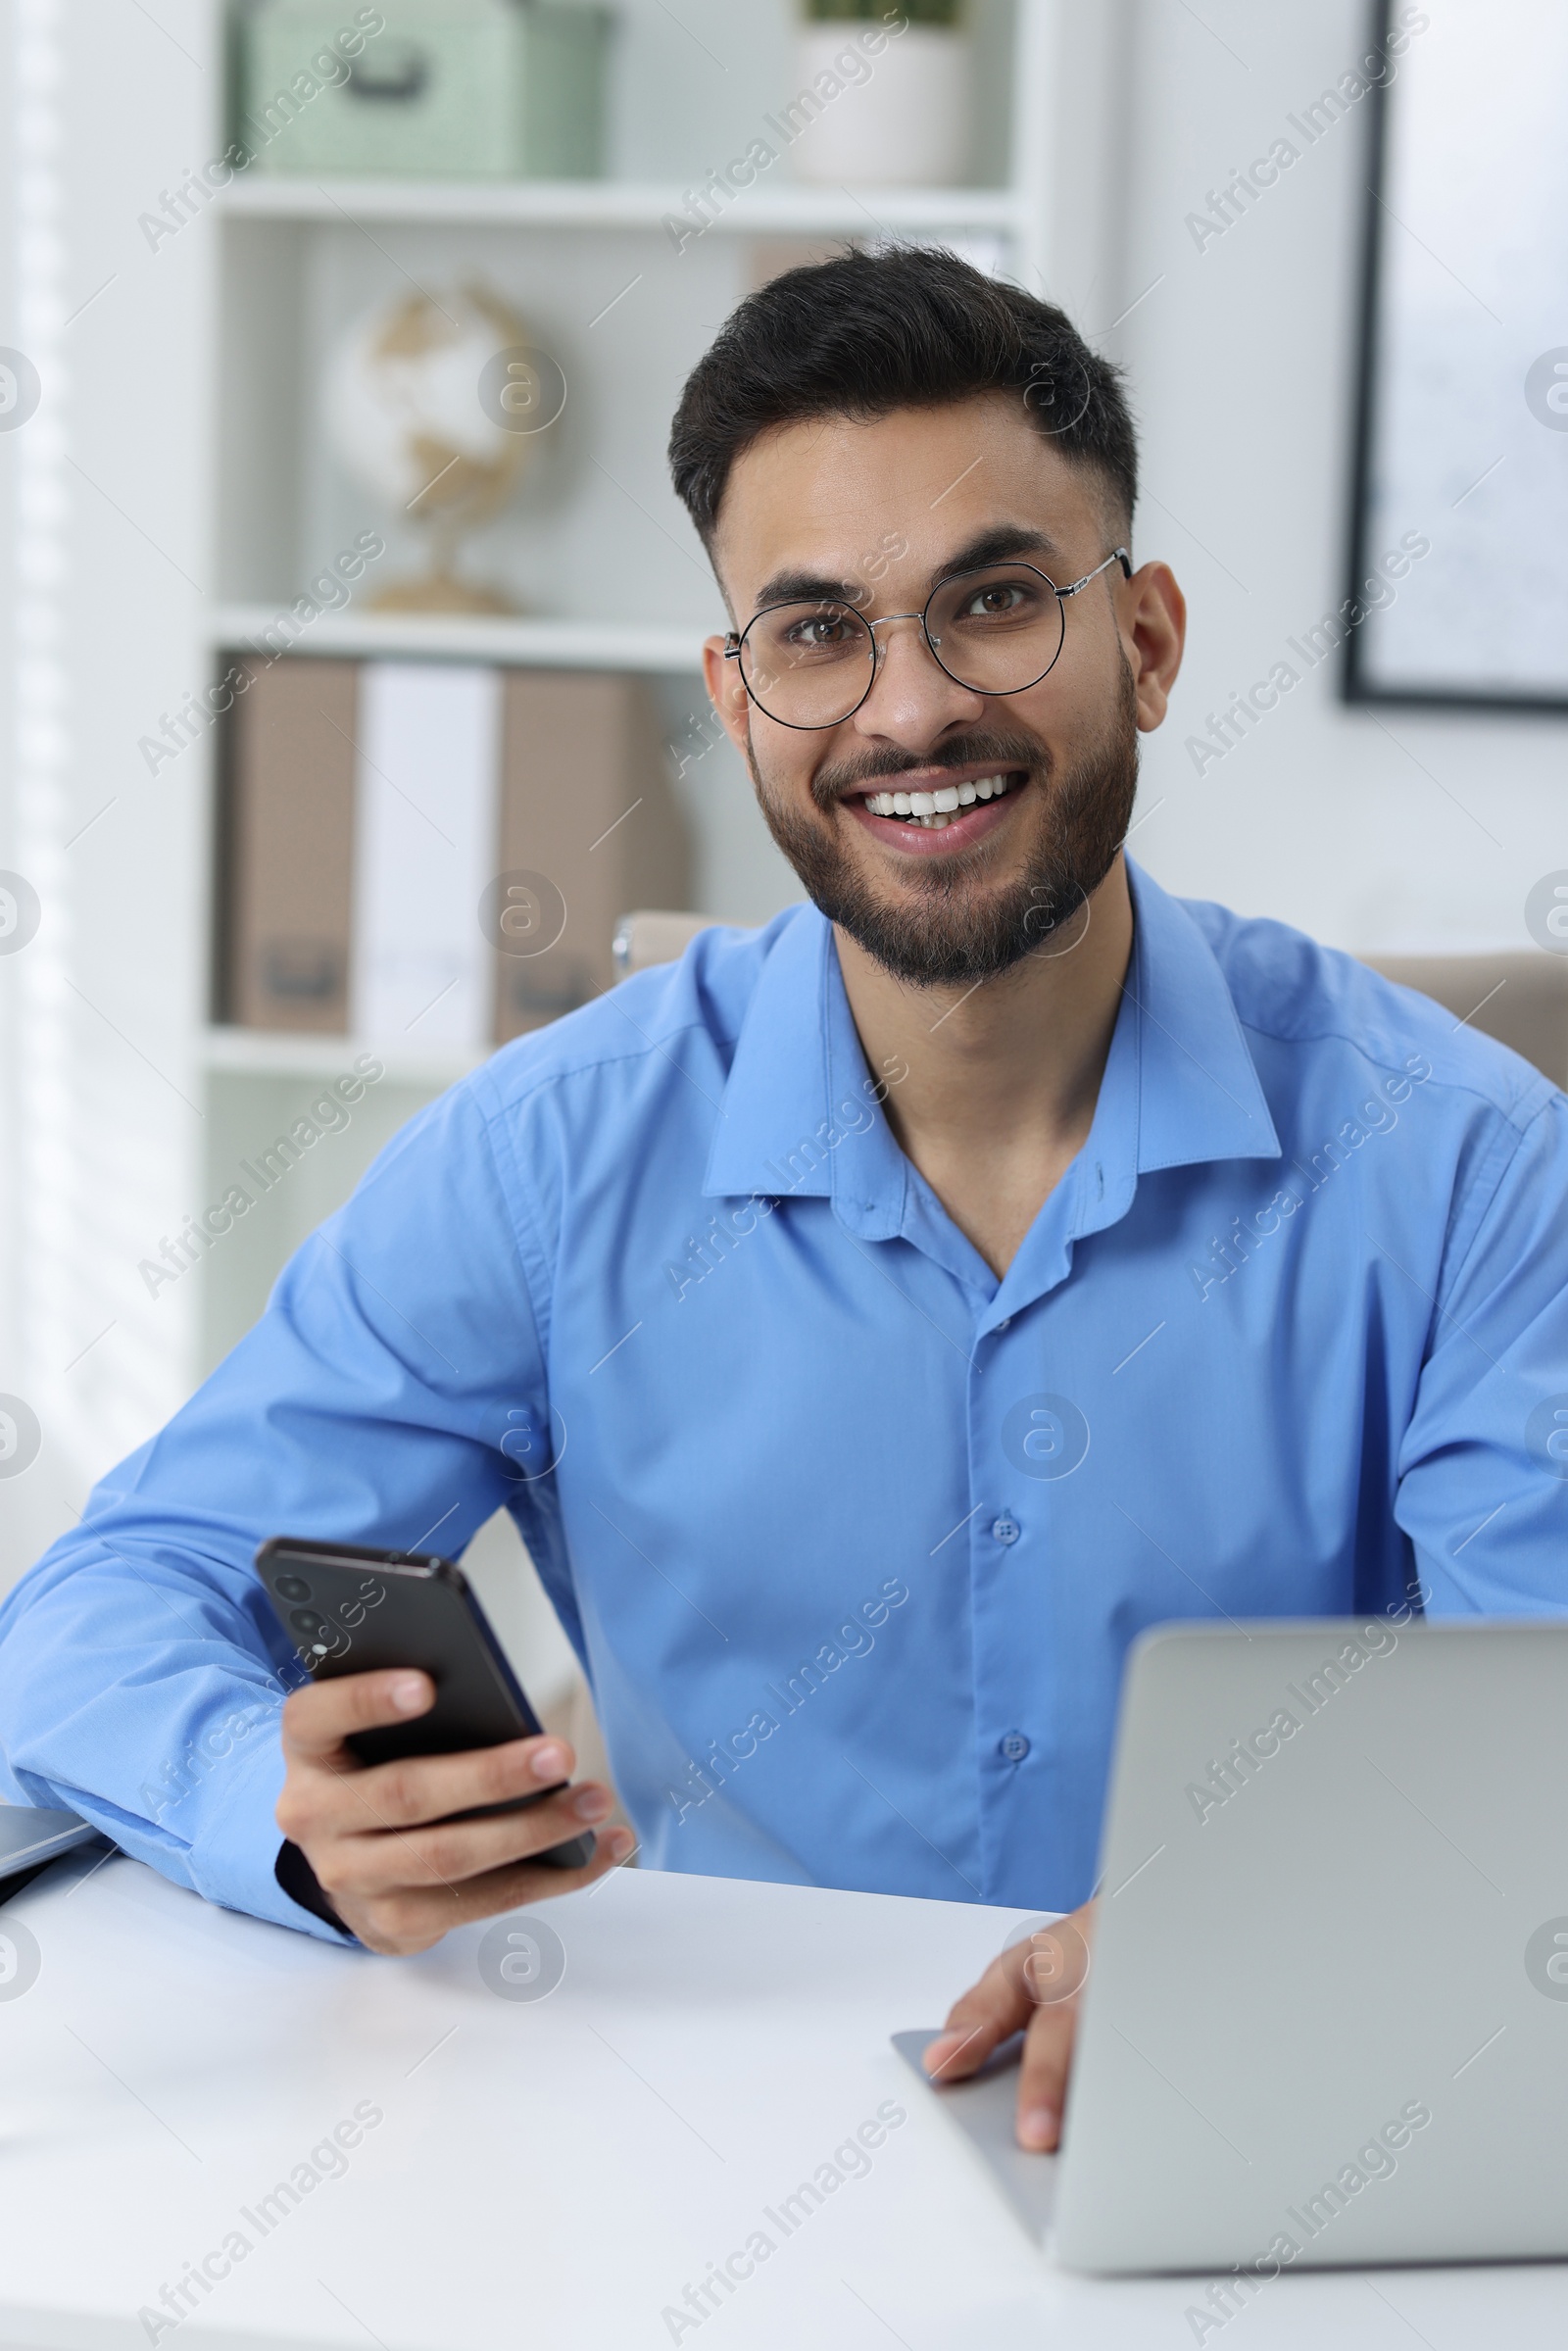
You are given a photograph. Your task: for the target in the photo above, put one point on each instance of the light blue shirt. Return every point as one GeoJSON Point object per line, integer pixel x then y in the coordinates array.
{"type": "Point", "coordinates": [851, 1537]}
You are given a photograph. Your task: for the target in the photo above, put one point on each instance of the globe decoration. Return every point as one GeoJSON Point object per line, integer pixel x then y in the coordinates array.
{"type": "Point", "coordinates": [432, 403]}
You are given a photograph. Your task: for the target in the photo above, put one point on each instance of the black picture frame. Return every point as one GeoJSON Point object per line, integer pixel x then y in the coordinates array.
{"type": "Point", "coordinates": [1356, 685]}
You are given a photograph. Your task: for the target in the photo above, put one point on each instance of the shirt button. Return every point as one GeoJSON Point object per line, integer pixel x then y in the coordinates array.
{"type": "Point", "coordinates": [1006, 1530]}
{"type": "Point", "coordinates": [1005, 1323]}
{"type": "Point", "coordinates": [1015, 1746]}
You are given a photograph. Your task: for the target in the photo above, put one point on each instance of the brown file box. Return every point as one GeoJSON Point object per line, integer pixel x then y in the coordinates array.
{"type": "Point", "coordinates": [586, 809]}
{"type": "Point", "coordinates": [586, 806]}
{"type": "Point", "coordinates": [290, 846]}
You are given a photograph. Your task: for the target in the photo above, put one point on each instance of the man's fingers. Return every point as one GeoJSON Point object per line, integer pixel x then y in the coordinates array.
{"type": "Point", "coordinates": [414, 1918]}
{"type": "Point", "coordinates": [429, 1787]}
{"type": "Point", "coordinates": [1035, 1983]}
{"type": "Point", "coordinates": [318, 1719]}
{"type": "Point", "coordinates": [1056, 1962]}
{"type": "Point", "coordinates": [995, 2008]}
{"type": "Point", "coordinates": [381, 1837]}
{"type": "Point", "coordinates": [1042, 2077]}
{"type": "Point", "coordinates": [452, 1853]}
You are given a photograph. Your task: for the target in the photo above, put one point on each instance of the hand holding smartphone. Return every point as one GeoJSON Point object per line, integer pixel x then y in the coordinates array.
{"type": "Point", "coordinates": [455, 1796]}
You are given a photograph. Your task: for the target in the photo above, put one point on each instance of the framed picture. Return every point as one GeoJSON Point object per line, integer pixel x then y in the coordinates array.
{"type": "Point", "coordinates": [1458, 587]}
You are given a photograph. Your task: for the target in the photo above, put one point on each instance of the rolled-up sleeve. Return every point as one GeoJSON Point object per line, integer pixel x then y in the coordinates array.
{"type": "Point", "coordinates": [384, 1398]}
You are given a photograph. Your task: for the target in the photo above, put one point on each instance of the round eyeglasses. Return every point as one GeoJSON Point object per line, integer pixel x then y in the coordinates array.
{"type": "Point", "coordinates": [998, 630]}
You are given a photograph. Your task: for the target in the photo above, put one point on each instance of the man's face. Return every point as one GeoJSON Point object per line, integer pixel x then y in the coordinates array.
{"type": "Point", "coordinates": [878, 514]}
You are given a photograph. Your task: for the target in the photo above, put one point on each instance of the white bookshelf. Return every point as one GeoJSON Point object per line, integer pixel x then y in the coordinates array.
{"type": "Point", "coordinates": [640, 646]}
{"type": "Point", "coordinates": [255, 1053]}
{"type": "Point", "coordinates": [758, 212]}
{"type": "Point", "coordinates": [173, 495]}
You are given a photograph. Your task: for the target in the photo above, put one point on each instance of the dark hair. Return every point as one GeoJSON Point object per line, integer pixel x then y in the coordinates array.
{"type": "Point", "coordinates": [910, 327]}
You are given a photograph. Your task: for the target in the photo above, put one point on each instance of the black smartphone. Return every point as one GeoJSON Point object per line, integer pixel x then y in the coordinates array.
{"type": "Point", "coordinates": [349, 1611]}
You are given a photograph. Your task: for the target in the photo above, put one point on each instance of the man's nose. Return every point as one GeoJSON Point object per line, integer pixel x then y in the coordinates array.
{"type": "Point", "coordinates": [913, 699]}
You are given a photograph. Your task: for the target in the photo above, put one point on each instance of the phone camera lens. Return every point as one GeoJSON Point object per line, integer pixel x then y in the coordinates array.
{"type": "Point", "coordinates": [306, 1621]}
{"type": "Point", "coordinates": [292, 1587]}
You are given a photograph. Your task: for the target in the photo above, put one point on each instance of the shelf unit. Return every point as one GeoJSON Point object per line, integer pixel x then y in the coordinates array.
{"type": "Point", "coordinates": [256, 1053]}
{"type": "Point", "coordinates": [645, 647]}
{"type": "Point", "coordinates": [157, 530]}
{"type": "Point", "coordinates": [762, 211]}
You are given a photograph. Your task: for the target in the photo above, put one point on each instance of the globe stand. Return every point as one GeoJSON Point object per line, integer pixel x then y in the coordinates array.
{"type": "Point", "coordinates": [472, 501]}
{"type": "Point", "coordinates": [441, 592]}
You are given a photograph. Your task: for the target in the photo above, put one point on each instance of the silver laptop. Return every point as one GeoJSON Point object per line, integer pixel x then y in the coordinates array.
{"type": "Point", "coordinates": [30, 1838]}
{"type": "Point", "coordinates": [1327, 2017]}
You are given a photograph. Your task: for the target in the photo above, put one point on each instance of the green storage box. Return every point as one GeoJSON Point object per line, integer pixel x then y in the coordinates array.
{"type": "Point", "coordinates": [445, 89]}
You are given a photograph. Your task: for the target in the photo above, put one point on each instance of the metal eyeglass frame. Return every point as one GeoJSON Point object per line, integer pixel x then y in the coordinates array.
{"type": "Point", "coordinates": [735, 645]}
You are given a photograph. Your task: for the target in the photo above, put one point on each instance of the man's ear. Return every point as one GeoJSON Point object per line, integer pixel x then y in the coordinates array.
{"type": "Point", "coordinates": [726, 691]}
{"type": "Point", "coordinates": [1151, 615]}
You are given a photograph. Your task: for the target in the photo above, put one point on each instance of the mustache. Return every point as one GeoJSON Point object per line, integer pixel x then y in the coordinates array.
{"type": "Point", "coordinates": [992, 747]}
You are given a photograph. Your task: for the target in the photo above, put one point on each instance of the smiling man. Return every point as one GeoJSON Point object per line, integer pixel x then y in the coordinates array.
{"type": "Point", "coordinates": [874, 1321]}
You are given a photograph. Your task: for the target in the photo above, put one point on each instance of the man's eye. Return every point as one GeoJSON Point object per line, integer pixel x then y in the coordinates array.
{"type": "Point", "coordinates": [988, 603]}
{"type": "Point", "coordinates": [818, 635]}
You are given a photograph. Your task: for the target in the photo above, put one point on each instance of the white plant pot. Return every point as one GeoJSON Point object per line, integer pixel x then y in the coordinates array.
{"type": "Point", "coordinates": [905, 124]}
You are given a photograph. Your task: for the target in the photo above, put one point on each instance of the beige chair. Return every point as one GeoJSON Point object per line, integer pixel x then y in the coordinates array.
{"type": "Point", "coordinates": [1521, 1000]}
{"type": "Point", "coordinates": [647, 938]}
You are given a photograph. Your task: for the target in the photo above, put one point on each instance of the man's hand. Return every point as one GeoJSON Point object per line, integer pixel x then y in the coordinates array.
{"type": "Point", "coordinates": [1035, 1985]}
{"type": "Point", "coordinates": [397, 1881]}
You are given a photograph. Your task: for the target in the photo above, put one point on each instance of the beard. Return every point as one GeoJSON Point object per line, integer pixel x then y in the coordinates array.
{"type": "Point", "coordinates": [947, 928]}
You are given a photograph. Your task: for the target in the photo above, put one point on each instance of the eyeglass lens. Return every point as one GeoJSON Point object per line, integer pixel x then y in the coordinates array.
{"type": "Point", "coordinates": [995, 631]}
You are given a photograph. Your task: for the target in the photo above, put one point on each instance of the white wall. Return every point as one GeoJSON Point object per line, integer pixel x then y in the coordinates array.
{"type": "Point", "coordinates": [1375, 829]}
{"type": "Point", "coordinates": [1382, 828]}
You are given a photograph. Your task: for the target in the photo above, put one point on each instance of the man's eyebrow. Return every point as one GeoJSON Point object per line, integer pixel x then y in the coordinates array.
{"type": "Point", "coordinates": [999, 544]}
{"type": "Point", "coordinates": [807, 587]}
{"type": "Point", "coordinates": [996, 545]}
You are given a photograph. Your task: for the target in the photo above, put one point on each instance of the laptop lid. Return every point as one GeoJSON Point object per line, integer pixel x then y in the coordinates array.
{"type": "Point", "coordinates": [1327, 2018]}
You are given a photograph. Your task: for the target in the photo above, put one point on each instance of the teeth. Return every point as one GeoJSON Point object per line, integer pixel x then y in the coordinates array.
{"type": "Point", "coordinates": [935, 810]}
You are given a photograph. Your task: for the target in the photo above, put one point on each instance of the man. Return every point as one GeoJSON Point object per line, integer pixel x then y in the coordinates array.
{"type": "Point", "coordinates": [873, 1322]}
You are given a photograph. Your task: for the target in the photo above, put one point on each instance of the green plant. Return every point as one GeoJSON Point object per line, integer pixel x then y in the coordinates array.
{"type": "Point", "coordinates": [871, 11]}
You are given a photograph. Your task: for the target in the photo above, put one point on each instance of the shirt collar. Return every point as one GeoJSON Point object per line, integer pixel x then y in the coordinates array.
{"type": "Point", "coordinates": [1198, 1094]}
{"type": "Point", "coordinates": [800, 1112]}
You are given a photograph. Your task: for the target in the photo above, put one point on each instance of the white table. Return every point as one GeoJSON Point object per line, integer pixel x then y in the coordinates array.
{"type": "Point", "coordinates": [555, 2172]}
